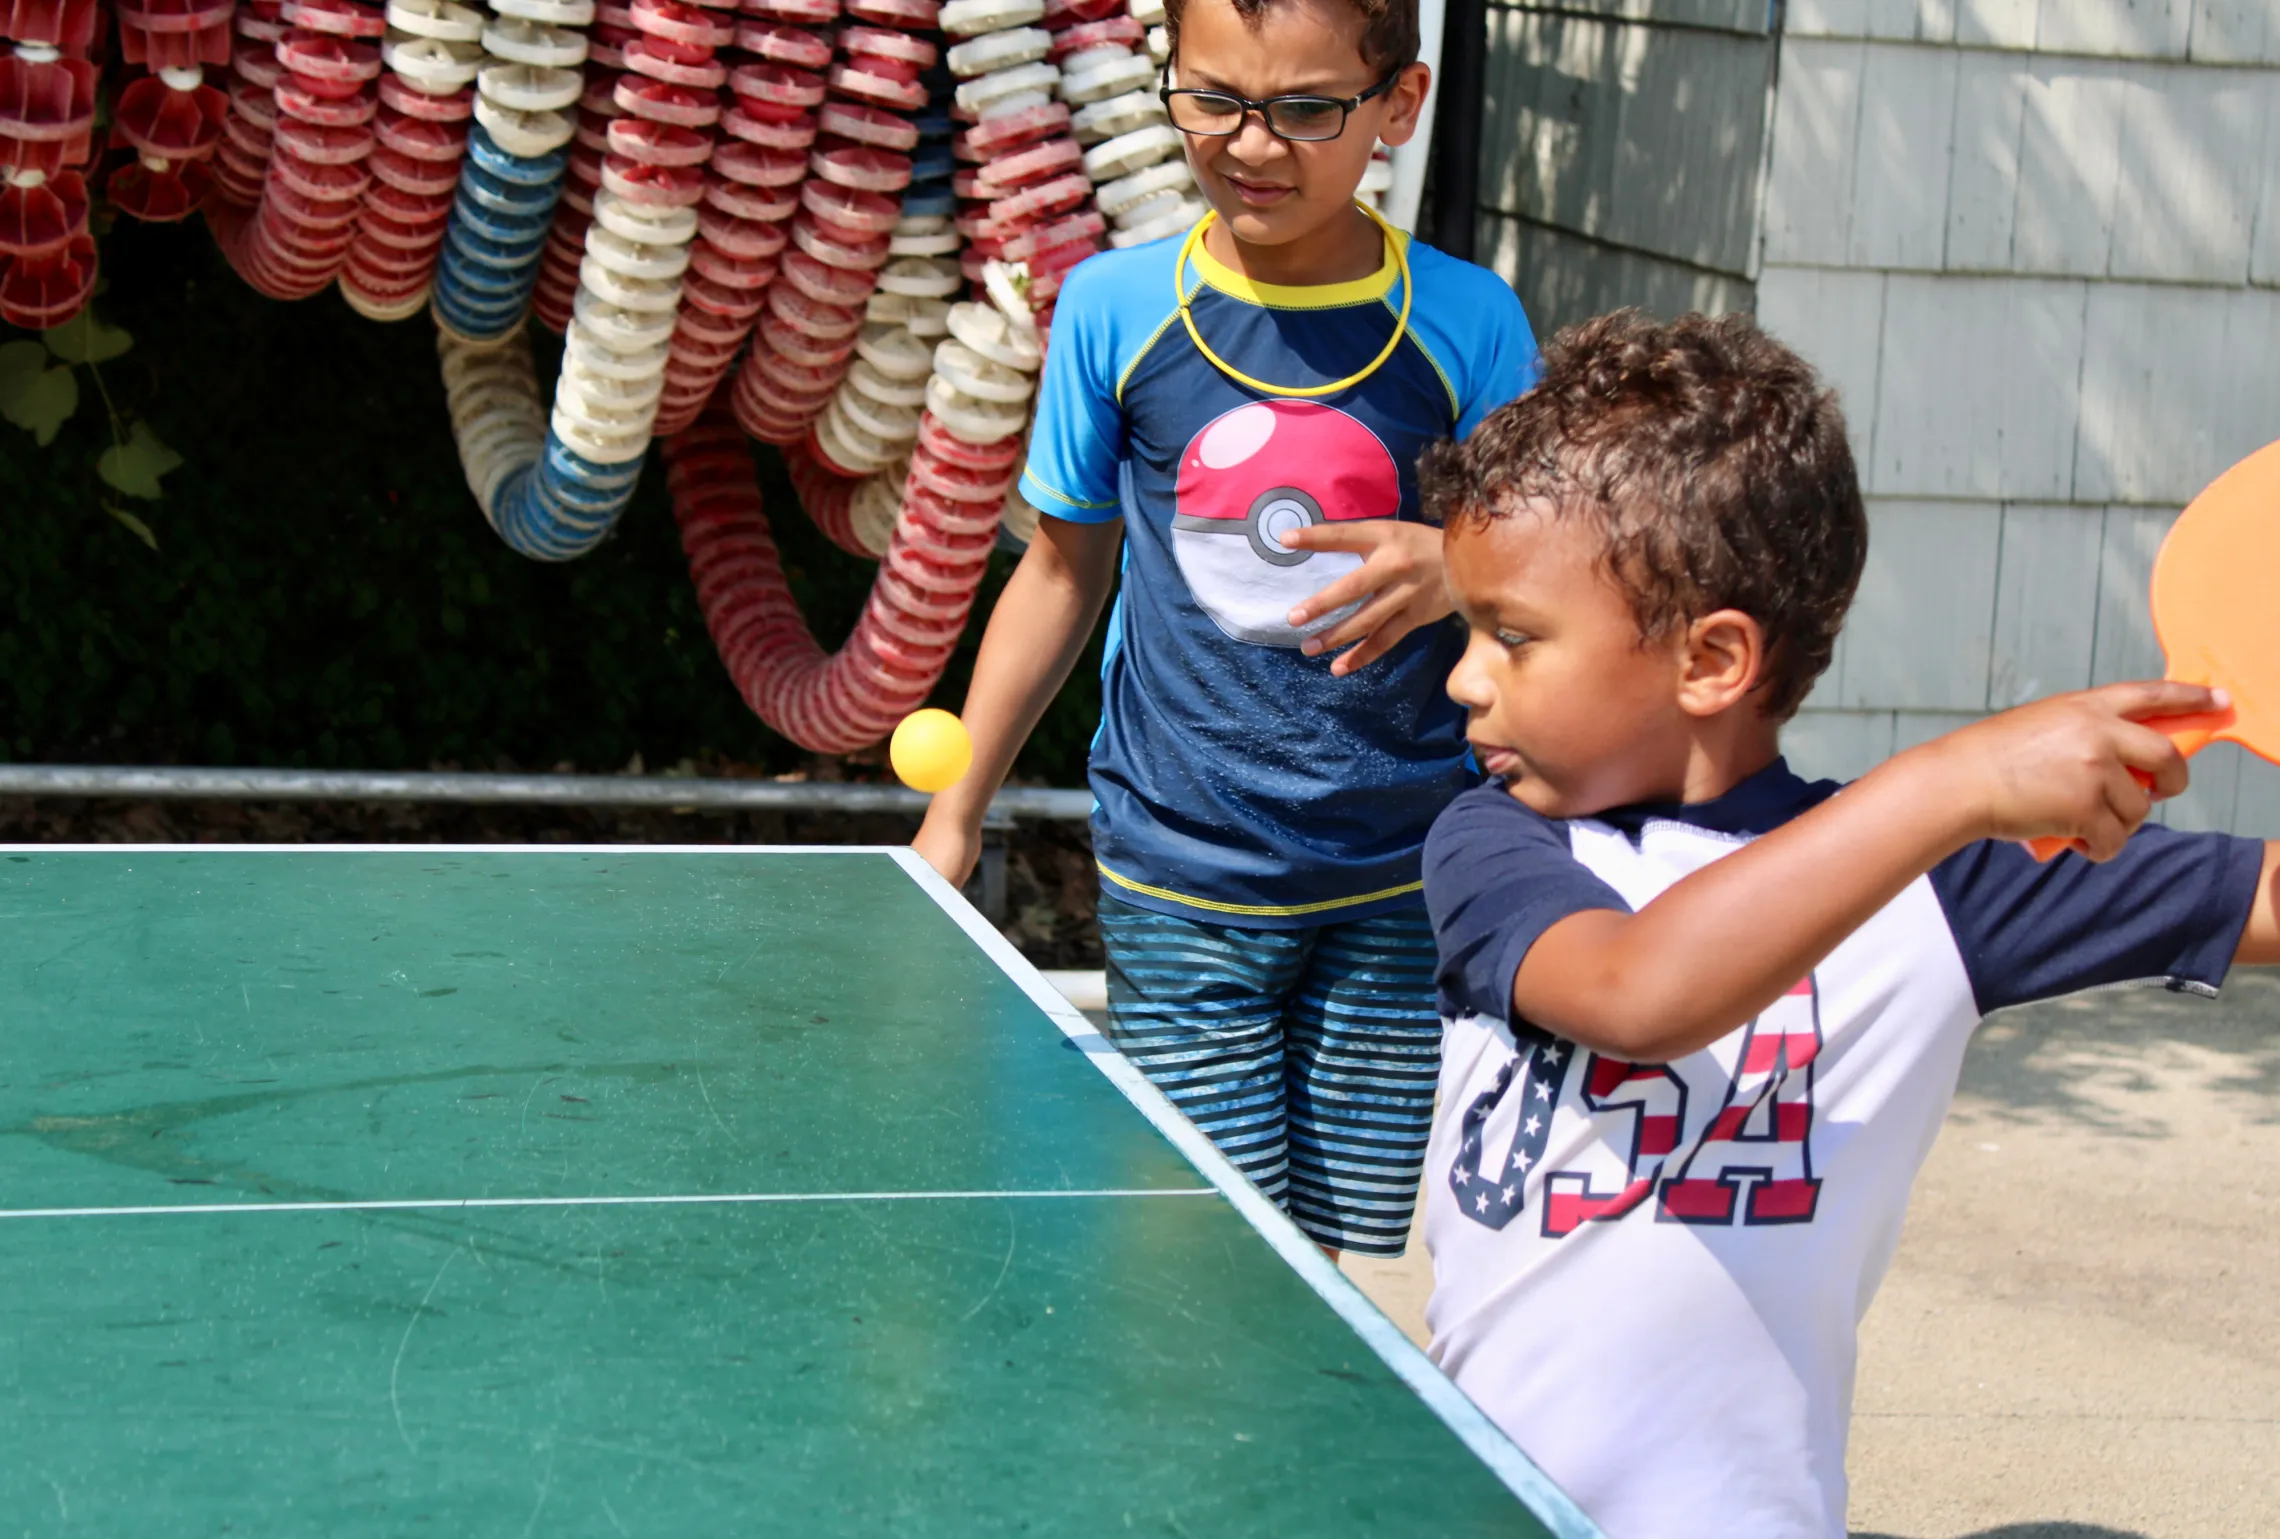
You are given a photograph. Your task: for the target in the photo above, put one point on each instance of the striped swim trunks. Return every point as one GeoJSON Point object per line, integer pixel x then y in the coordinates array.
{"type": "Point", "coordinates": [1308, 1056]}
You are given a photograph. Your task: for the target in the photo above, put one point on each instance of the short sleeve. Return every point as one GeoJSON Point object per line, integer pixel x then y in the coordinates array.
{"type": "Point", "coordinates": [1507, 364]}
{"type": "Point", "coordinates": [2169, 909]}
{"type": "Point", "coordinates": [1497, 876]}
{"type": "Point", "coordinates": [1078, 443]}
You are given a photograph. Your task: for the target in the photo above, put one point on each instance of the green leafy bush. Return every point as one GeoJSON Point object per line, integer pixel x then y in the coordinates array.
{"type": "Point", "coordinates": [319, 587]}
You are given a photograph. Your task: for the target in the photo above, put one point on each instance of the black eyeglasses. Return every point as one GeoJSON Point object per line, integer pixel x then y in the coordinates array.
{"type": "Point", "coordinates": [1299, 119]}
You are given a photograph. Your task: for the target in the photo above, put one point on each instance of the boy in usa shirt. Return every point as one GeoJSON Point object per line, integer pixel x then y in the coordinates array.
{"type": "Point", "coordinates": [1703, 1019]}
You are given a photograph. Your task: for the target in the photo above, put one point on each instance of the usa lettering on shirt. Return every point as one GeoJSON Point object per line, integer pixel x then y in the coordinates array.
{"type": "Point", "coordinates": [1753, 1161]}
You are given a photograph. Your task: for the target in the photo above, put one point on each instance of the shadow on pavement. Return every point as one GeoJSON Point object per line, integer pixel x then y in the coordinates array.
{"type": "Point", "coordinates": [2034, 1531]}
{"type": "Point", "coordinates": [2047, 1058]}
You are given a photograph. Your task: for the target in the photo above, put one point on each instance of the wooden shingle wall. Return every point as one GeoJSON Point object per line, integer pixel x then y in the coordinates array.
{"type": "Point", "coordinates": [2036, 246]}
{"type": "Point", "coordinates": [1621, 150]}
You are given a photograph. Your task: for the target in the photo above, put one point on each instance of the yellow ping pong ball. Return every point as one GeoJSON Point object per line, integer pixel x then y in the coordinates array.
{"type": "Point", "coordinates": [930, 750]}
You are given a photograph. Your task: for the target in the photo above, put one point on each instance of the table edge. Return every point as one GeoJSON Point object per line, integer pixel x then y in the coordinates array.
{"type": "Point", "coordinates": [1488, 1443]}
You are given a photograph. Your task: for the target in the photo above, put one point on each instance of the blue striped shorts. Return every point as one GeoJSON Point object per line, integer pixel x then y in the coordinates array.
{"type": "Point", "coordinates": [1308, 1056]}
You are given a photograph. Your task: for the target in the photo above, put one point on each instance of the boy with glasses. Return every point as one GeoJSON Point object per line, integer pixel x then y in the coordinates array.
{"type": "Point", "coordinates": [1241, 411]}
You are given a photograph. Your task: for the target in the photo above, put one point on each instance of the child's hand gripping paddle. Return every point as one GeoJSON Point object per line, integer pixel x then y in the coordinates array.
{"type": "Point", "coordinates": [2215, 610]}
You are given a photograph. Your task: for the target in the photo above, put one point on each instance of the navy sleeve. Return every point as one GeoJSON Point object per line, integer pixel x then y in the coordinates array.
{"type": "Point", "coordinates": [2170, 908]}
{"type": "Point", "coordinates": [1497, 876]}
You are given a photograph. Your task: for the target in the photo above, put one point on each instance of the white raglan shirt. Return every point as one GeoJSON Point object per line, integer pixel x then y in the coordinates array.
{"type": "Point", "coordinates": [1651, 1276]}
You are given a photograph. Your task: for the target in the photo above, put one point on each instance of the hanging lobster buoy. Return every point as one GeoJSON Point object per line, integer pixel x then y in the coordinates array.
{"type": "Point", "coordinates": [836, 226]}
{"type": "Point", "coordinates": [47, 138]}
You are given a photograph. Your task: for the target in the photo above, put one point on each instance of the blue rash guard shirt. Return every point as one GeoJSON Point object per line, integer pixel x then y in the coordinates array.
{"type": "Point", "coordinates": [1235, 779]}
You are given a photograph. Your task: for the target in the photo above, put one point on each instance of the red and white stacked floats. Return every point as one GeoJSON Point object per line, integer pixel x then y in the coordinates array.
{"type": "Point", "coordinates": [639, 208]}
{"type": "Point", "coordinates": [1141, 181]}
{"type": "Point", "coordinates": [1150, 14]}
{"type": "Point", "coordinates": [966, 454]}
{"type": "Point", "coordinates": [648, 213]}
{"type": "Point", "coordinates": [749, 192]}
{"type": "Point", "coordinates": [838, 255]}
{"type": "Point", "coordinates": [241, 161]}
{"type": "Point", "coordinates": [47, 126]}
{"type": "Point", "coordinates": [432, 52]}
{"type": "Point", "coordinates": [170, 117]}
{"type": "Point", "coordinates": [325, 95]}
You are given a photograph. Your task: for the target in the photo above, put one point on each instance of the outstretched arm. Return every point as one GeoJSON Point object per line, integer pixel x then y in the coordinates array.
{"type": "Point", "coordinates": [1035, 633]}
{"type": "Point", "coordinates": [1721, 945]}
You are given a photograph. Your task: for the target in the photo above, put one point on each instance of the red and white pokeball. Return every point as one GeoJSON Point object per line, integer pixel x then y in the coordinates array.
{"type": "Point", "coordinates": [1252, 477]}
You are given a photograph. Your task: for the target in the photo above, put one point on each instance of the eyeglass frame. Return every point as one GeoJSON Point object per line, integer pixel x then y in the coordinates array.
{"type": "Point", "coordinates": [1346, 106]}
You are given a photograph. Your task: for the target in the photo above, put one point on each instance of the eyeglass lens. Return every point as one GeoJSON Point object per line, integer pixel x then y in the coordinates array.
{"type": "Point", "coordinates": [1292, 117]}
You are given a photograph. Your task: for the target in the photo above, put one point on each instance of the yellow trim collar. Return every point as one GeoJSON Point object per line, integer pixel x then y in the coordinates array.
{"type": "Point", "coordinates": [1257, 910]}
{"type": "Point", "coordinates": [1301, 296]}
{"type": "Point", "coordinates": [1192, 247]}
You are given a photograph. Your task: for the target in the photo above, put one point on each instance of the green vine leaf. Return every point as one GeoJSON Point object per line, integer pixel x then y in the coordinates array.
{"type": "Point", "coordinates": [135, 526]}
{"type": "Point", "coordinates": [18, 359]}
{"type": "Point", "coordinates": [84, 339]}
{"type": "Point", "coordinates": [135, 466]}
{"type": "Point", "coordinates": [33, 396]}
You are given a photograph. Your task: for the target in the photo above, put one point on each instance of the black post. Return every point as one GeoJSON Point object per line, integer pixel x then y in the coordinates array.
{"type": "Point", "coordinates": [1456, 126]}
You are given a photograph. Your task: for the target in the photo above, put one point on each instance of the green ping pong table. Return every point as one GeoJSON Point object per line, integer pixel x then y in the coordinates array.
{"type": "Point", "coordinates": [356, 1191]}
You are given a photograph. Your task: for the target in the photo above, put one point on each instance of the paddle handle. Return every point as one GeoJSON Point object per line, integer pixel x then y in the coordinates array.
{"type": "Point", "coordinates": [2191, 734]}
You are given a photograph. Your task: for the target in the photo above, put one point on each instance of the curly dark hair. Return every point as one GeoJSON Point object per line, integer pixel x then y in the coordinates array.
{"type": "Point", "coordinates": [1713, 461]}
{"type": "Point", "coordinates": [1389, 28]}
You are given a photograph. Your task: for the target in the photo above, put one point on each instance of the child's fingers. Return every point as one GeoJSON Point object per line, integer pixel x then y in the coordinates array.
{"type": "Point", "coordinates": [1383, 637]}
{"type": "Point", "coordinates": [2127, 798]}
{"type": "Point", "coordinates": [1352, 588]}
{"type": "Point", "coordinates": [2152, 757]}
{"type": "Point", "coordinates": [2151, 699]}
{"type": "Point", "coordinates": [2121, 806]}
{"type": "Point", "coordinates": [2104, 835]}
{"type": "Point", "coordinates": [1393, 553]}
{"type": "Point", "coordinates": [1369, 650]}
{"type": "Point", "coordinates": [1358, 626]}
{"type": "Point", "coordinates": [1360, 535]}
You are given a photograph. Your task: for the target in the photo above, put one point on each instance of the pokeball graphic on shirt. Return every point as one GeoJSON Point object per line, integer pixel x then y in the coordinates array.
{"type": "Point", "coordinates": [1252, 477]}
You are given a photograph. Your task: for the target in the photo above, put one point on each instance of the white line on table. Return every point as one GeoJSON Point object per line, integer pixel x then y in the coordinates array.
{"type": "Point", "coordinates": [691, 1199]}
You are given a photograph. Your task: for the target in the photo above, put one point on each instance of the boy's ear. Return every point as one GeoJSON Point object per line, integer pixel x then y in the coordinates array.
{"type": "Point", "coordinates": [1404, 102]}
{"type": "Point", "coordinates": [1720, 662]}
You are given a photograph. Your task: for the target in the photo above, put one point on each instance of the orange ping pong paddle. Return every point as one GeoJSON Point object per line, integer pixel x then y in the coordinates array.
{"type": "Point", "coordinates": [2216, 608]}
